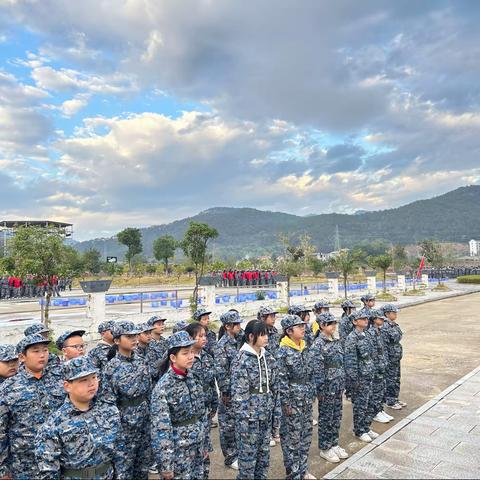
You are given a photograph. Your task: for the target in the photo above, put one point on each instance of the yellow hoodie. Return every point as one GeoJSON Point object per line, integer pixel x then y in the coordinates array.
{"type": "Point", "coordinates": [288, 342]}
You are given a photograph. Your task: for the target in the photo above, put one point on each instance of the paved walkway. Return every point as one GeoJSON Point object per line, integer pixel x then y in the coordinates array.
{"type": "Point", "coordinates": [441, 439]}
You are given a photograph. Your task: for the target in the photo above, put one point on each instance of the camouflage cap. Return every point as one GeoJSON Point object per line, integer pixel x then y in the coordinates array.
{"type": "Point", "coordinates": [200, 313]}
{"type": "Point", "coordinates": [265, 311]}
{"type": "Point", "coordinates": [390, 308]}
{"type": "Point", "coordinates": [326, 318]}
{"type": "Point", "coordinates": [180, 339]}
{"type": "Point", "coordinates": [360, 314]}
{"type": "Point", "coordinates": [7, 353]}
{"type": "Point", "coordinates": [106, 326]}
{"type": "Point", "coordinates": [125, 327]}
{"type": "Point", "coordinates": [230, 317]}
{"type": "Point", "coordinates": [347, 304]}
{"type": "Point", "coordinates": [152, 320]}
{"type": "Point", "coordinates": [378, 313]}
{"type": "Point", "coordinates": [77, 368]}
{"type": "Point", "coordinates": [321, 304]}
{"type": "Point", "coordinates": [366, 298]}
{"type": "Point", "coordinates": [36, 328]}
{"type": "Point", "coordinates": [179, 326]}
{"type": "Point", "coordinates": [30, 340]}
{"type": "Point", "coordinates": [69, 333]}
{"type": "Point", "coordinates": [289, 321]}
{"type": "Point", "coordinates": [144, 327]}
{"type": "Point", "coordinates": [298, 309]}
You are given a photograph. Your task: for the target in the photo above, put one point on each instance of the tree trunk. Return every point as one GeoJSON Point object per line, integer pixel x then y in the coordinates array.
{"type": "Point", "coordinates": [384, 281]}
{"type": "Point", "coordinates": [345, 285]}
{"type": "Point", "coordinates": [48, 297]}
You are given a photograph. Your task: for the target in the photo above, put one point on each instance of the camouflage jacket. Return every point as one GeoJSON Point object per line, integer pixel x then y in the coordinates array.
{"type": "Point", "coordinates": [345, 327]}
{"type": "Point", "coordinates": [177, 413]}
{"type": "Point", "coordinates": [98, 355]}
{"type": "Point", "coordinates": [295, 377]}
{"type": "Point", "coordinates": [309, 335]}
{"type": "Point", "coordinates": [273, 341]}
{"type": "Point", "coordinates": [204, 374]}
{"type": "Point", "coordinates": [328, 364]}
{"type": "Point", "coordinates": [392, 336]}
{"type": "Point", "coordinates": [253, 384]}
{"type": "Point", "coordinates": [358, 357]}
{"type": "Point", "coordinates": [126, 380]}
{"type": "Point", "coordinates": [75, 439]}
{"type": "Point", "coordinates": [226, 351]}
{"type": "Point", "coordinates": [379, 352]}
{"type": "Point", "coordinates": [211, 342]}
{"type": "Point", "coordinates": [25, 404]}
{"type": "Point", "coordinates": [157, 350]}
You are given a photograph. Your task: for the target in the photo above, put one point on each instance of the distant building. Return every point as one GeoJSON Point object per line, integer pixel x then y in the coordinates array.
{"type": "Point", "coordinates": [474, 248]}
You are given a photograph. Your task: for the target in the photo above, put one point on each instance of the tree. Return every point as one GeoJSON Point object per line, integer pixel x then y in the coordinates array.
{"type": "Point", "coordinates": [41, 253]}
{"type": "Point", "coordinates": [317, 266]}
{"type": "Point", "coordinates": [290, 264]}
{"type": "Point", "coordinates": [383, 262]}
{"type": "Point", "coordinates": [345, 262]}
{"type": "Point", "coordinates": [432, 251]}
{"type": "Point", "coordinates": [194, 246]}
{"type": "Point", "coordinates": [400, 258]}
{"type": "Point", "coordinates": [132, 239]}
{"type": "Point", "coordinates": [74, 262]}
{"type": "Point", "coordinates": [164, 249]}
{"type": "Point", "coordinates": [92, 260]}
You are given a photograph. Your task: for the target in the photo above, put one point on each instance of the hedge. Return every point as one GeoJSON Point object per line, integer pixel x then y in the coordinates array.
{"type": "Point", "coordinates": [469, 279]}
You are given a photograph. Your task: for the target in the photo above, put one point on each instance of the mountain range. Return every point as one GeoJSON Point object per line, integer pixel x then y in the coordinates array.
{"type": "Point", "coordinates": [451, 217]}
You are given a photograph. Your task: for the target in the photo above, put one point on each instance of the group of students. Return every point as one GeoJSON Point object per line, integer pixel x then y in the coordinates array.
{"type": "Point", "coordinates": [31, 287]}
{"type": "Point", "coordinates": [140, 402]}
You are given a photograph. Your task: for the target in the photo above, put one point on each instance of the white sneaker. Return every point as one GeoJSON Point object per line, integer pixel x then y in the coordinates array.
{"type": "Point", "coordinates": [365, 437]}
{"type": "Point", "coordinates": [153, 469]}
{"type": "Point", "coordinates": [396, 406]}
{"type": "Point", "coordinates": [341, 453]}
{"type": "Point", "coordinates": [309, 476]}
{"type": "Point", "coordinates": [373, 435]}
{"type": "Point", "coordinates": [314, 422]}
{"type": "Point", "coordinates": [380, 418]}
{"type": "Point", "coordinates": [233, 466]}
{"type": "Point", "coordinates": [272, 442]}
{"type": "Point", "coordinates": [386, 415]}
{"type": "Point", "coordinates": [329, 456]}
{"type": "Point", "coordinates": [403, 404]}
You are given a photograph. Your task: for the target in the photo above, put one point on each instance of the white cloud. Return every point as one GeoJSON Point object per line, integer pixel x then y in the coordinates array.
{"type": "Point", "coordinates": [69, 108]}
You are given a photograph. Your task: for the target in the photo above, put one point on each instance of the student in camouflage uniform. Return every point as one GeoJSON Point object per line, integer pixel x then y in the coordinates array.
{"type": "Point", "coordinates": [179, 326]}
{"type": "Point", "coordinates": [144, 339]}
{"type": "Point", "coordinates": [71, 343]}
{"type": "Point", "coordinates": [346, 326]}
{"type": "Point", "coordinates": [368, 301]}
{"type": "Point", "coordinates": [252, 389]}
{"type": "Point", "coordinates": [158, 345]}
{"type": "Point", "coordinates": [359, 371]}
{"type": "Point", "coordinates": [226, 351]}
{"type": "Point", "coordinates": [380, 361]}
{"type": "Point", "coordinates": [203, 369]}
{"type": "Point", "coordinates": [26, 400]}
{"type": "Point", "coordinates": [328, 363]}
{"type": "Point", "coordinates": [297, 392]}
{"type": "Point", "coordinates": [99, 354]}
{"type": "Point", "coordinates": [202, 316]}
{"type": "Point", "coordinates": [322, 306]}
{"type": "Point", "coordinates": [178, 414]}
{"type": "Point", "coordinates": [41, 329]}
{"type": "Point", "coordinates": [8, 362]}
{"type": "Point", "coordinates": [304, 313]}
{"type": "Point", "coordinates": [83, 439]}
{"type": "Point", "coordinates": [268, 316]}
{"type": "Point", "coordinates": [392, 336]}
{"type": "Point", "coordinates": [126, 382]}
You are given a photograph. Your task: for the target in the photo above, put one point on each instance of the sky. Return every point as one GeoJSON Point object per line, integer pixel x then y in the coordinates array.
{"type": "Point", "coordinates": [140, 112]}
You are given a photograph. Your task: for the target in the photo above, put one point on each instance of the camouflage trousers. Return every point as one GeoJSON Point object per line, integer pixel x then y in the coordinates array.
{"type": "Point", "coordinates": [138, 452]}
{"type": "Point", "coordinates": [360, 397]}
{"type": "Point", "coordinates": [253, 444]}
{"type": "Point", "coordinates": [277, 414]}
{"type": "Point", "coordinates": [226, 426]}
{"type": "Point", "coordinates": [189, 451]}
{"type": "Point", "coordinates": [296, 437]}
{"type": "Point", "coordinates": [207, 447]}
{"type": "Point", "coordinates": [22, 465]}
{"type": "Point", "coordinates": [393, 382]}
{"type": "Point", "coordinates": [377, 395]}
{"type": "Point", "coordinates": [329, 419]}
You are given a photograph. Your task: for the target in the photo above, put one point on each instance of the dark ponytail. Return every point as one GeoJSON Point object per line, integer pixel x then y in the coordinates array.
{"type": "Point", "coordinates": [193, 329]}
{"type": "Point", "coordinates": [112, 352]}
{"type": "Point", "coordinates": [221, 332]}
{"type": "Point", "coordinates": [255, 328]}
{"type": "Point", "coordinates": [166, 360]}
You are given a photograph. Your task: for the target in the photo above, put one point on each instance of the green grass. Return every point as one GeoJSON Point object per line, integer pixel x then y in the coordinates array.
{"type": "Point", "coordinates": [414, 293]}
{"type": "Point", "coordinates": [386, 297]}
{"type": "Point", "coordinates": [475, 279]}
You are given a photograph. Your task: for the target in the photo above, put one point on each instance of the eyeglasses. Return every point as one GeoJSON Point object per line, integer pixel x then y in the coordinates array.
{"type": "Point", "coordinates": [79, 346]}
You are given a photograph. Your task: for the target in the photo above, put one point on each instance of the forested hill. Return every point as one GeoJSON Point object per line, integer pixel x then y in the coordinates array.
{"type": "Point", "coordinates": [453, 217]}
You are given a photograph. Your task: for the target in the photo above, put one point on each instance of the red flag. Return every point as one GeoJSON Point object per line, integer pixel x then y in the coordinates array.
{"type": "Point", "coordinates": [420, 267]}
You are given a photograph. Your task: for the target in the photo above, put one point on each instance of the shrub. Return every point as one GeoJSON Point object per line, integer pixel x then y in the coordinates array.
{"type": "Point", "coordinates": [469, 279]}
{"type": "Point", "coordinates": [260, 295]}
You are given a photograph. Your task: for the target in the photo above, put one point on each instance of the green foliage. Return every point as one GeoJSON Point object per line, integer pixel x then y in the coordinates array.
{"type": "Point", "coordinates": [382, 262]}
{"type": "Point", "coordinates": [92, 261]}
{"type": "Point", "coordinates": [400, 259]}
{"type": "Point", "coordinates": [218, 266]}
{"type": "Point", "coordinates": [432, 251]}
{"type": "Point", "coordinates": [244, 265]}
{"type": "Point", "coordinates": [475, 279]}
{"type": "Point", "coordinates": [194, 246]}
{"type": "Point", "coordinates": [132, 239]}
{"type": "Point", "coordinates": [74, 261]}
{"type": "Point", "coordinates": [260, 295]}
{"type": "Point", "coordinates": [164, 248]}
{"type": "Point", "coordinates": [317, 266]}
{"type": "Point", "coordinates": [345, 262]}
{"type": "Point", "coordinates": [7, 264]}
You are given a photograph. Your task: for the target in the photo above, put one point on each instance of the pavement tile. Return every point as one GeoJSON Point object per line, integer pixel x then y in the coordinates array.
{"type": "Point", "coordinates": [398, 445]}
{"type": "Point", "coordinates": [460, 426]}
{"type": "Point", "coordinates": [440, 455]}
{"type": "Point", "coordinates": [427, 440]}
{"type": "Point", "coordinates": [354, 473]}
{"type": "Point", "coordinates": [402, 458]}
{"type": "Point", "coordinates": [449, 470]}
{"type": "Point", "coordinates": [372, 465]}
{"type": "Point", "coordinates": [398, 471]}
{"type": "Point", "coordinates": [465, 448]}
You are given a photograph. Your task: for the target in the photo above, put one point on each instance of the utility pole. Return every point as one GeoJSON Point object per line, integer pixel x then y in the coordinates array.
{"type": "Point", "coordinates": [337, 239]}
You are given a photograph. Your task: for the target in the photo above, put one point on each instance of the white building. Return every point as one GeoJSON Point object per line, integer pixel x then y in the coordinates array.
{"type": "Point", "coordinates": [474, 248]}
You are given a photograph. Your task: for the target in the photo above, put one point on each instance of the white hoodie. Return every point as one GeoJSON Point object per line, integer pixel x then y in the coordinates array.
{"type": "Point", "coordinates": [247, 348]}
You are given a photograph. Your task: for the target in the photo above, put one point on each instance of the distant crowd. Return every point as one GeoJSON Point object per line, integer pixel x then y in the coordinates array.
{"type": "Point", "coordinates": [451, 272]}
{"type": "Point", "coordinates": [30, 286]}
{"type": "Point", "coordinates": [244, 278]}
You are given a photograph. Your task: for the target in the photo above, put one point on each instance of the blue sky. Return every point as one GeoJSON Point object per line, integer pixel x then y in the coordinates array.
{"type": "Point", "coordinates": [142, 112]}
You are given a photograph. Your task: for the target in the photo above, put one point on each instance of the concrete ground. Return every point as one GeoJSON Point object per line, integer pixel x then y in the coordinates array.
{"type": "Point", "coordinates": [440, 346]}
